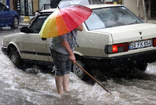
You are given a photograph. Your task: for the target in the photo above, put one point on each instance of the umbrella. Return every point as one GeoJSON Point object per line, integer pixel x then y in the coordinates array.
{"type": "Point", "coordinates": [65, 3]}
{"type": "Point", "coordinates": [64, 20]}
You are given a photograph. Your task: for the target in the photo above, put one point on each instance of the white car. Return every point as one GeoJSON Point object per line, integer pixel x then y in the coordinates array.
{"type": "Point", "coordinates": [113, 37]}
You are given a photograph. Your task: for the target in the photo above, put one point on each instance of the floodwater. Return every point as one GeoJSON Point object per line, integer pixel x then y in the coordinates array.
{"type": "Point", "coordinates": [27, 88]}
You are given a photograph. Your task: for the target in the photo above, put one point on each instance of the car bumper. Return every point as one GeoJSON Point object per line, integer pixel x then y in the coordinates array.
{"type": "Point", "coordinates": [4, 50]}
{"type": "Point", "coordinates": [120, 61]}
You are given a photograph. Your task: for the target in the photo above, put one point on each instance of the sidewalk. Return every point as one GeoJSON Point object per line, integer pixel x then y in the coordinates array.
{"type": "Point", "coordinates": [152, 21]}
{"type": "Point", "coordinates": [22, 23]}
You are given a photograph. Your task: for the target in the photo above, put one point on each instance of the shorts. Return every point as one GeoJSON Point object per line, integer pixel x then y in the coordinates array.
{"type": "Point", "coordinates": [62, 64]}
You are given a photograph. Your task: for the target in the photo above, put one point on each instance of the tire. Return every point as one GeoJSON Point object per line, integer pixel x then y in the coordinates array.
{"type": "Point", "coordinates": [14, 57]}
{"type": "Point", "coordinates": [78, 71]}
{"type": "Point", "coordinates": [15, 23]}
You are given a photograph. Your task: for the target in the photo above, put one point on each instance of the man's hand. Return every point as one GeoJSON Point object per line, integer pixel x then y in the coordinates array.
{"type": "Point", "coordinates": [72, 58]}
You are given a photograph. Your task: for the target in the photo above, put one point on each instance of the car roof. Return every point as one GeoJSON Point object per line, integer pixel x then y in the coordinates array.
{"type": "Point", "coordinates": [89, 6]}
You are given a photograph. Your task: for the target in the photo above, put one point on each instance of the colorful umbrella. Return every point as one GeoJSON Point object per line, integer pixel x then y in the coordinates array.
{"type": "Point", "coordinates": [64, 20]}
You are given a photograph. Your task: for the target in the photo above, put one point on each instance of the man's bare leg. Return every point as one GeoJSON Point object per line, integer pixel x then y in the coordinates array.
{"type": "Point", "coordinates": [59, 84]}
{"type": "Point", "coordinates": [66, 82]}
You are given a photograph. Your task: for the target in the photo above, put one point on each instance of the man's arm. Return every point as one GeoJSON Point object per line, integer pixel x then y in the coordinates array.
{"type": "Point", "coordinates": [69, 51]}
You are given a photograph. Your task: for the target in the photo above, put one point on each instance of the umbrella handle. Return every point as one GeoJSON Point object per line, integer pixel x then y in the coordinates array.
{"type": "Point", "coordinates": [92, 77]}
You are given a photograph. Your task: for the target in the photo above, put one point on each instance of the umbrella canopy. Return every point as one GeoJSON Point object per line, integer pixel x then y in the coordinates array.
{"type": "Point", "coordinates": [64, 20]}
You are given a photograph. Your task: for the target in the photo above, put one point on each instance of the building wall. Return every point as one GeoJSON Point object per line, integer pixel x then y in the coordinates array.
{"type": "Point", "coordinates": [132, 5]}
{"type": "Point", "coordinates": [35, 5]}
{"type": "Point", "coordinates": [3, 1]}
{"type": "Point", "coordinates": [45, 4]}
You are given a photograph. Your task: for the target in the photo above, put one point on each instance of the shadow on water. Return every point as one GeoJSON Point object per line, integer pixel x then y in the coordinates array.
{"type": "Point", "coordinates": [128, 74]}
{"type": "Point", "coordinates": [119, 74]}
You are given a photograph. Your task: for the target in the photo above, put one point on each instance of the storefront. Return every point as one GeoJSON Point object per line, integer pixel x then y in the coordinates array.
{"type": "Point", "coordinates": [34, 5]}
{"type": "Point", "coordinates": [112, 1]}
{"type": "Point", "coordinates": [153, 9]}
{"type": "Point", "coordinates": [6, 2]}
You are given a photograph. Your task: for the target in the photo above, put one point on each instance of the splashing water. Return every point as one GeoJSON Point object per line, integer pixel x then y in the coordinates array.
{"type": "Point", "coordinates": [151, 69]}
{"type": "Point", "coordinates": [39, 88]}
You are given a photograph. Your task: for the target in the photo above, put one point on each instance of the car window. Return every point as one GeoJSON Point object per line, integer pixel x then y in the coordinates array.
{"type": "Point", "coordinates": [111, 17]}
{"type": "Point", "coordinates": [37, 24]}
{"type": "Point", "coordinates": [94, 22]}
{"type": "Point", "coordinates": [2, 7]}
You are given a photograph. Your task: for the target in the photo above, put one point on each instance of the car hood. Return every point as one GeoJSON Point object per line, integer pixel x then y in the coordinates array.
{"type": "Point", "coordinates": [14, 12]}
{"type": "Point", "coordinates": [12, 38]}
{"type": "Point", "coordinates": [130, 32]}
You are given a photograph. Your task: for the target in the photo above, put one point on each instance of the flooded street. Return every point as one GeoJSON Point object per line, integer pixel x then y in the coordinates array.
{"type": "Point", "coordinates": [39, 88]}
{"type": "Point", "coordinates": [33, 87]}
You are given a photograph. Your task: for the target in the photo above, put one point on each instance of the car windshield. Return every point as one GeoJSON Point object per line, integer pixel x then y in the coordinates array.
{"type": "Point", "coordinates": [111, 17]}
{"type": "Point", "coordinates": [2, 7]}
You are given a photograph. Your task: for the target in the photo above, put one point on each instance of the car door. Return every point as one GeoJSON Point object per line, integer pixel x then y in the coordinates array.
{"type": "Point", "coordinates": [33, 46]}
{"type": "Point", "coordinates": [5, 15]}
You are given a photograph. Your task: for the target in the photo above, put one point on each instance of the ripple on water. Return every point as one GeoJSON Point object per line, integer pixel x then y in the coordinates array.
{"type": "Point", "coordinates": [40, 88]}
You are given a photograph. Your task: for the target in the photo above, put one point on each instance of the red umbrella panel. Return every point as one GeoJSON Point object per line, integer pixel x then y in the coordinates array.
{"type": "Point", "coordinates": [64, 20]}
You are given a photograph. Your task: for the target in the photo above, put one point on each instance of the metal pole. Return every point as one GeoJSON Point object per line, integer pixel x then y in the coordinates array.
{"type": "Point", "coordinates": [18, 6]}
{"type": "Point", "coordinates": [7, 2]}
{"type": "Point", "coordinates": [144, 8]}
{"type": "Point", "coordinates": [26, 18]}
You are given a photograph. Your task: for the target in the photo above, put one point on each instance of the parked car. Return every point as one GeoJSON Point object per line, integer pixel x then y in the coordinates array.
{"type": "Point", "coordinates": [113, 37]}
{"type": "Point", "coordinates": [8, 17]}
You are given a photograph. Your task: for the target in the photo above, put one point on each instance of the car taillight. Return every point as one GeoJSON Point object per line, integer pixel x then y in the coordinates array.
{"type": "Point", "coordinates": [154, 42]}
{"type": "Point", "coordinates": [116, 48]}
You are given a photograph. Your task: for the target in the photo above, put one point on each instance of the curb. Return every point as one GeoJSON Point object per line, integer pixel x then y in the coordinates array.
{"type": "Point", "coordinates": [22, 23]}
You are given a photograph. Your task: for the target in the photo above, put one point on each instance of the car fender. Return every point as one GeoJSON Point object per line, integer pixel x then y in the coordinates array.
{"type": "Point", "coordinates": [78, 53]}
{"type": "Point", "coordinates": [14, 45]}
{"type": "Point", "coordinates": [15, 14]}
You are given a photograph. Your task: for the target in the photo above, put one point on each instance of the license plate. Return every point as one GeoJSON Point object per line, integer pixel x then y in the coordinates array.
{"type": "Point", "coordinates": [140, 44]}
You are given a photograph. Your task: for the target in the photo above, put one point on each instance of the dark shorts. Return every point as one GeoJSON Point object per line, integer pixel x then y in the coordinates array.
{"type": "Point", "coordinates": [62, 64]}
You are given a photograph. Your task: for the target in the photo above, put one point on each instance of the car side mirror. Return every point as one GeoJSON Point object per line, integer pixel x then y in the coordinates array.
{"type": "Point", "coordinates": [8, 9]}
{"type": "Point", "coordinates": [24, 29]}
{"type": "Point", "coordinates": [44, 39]}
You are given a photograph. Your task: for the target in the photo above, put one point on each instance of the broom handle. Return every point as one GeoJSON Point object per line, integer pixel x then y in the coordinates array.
{"type": "Point", "coordinates": [92, 77]}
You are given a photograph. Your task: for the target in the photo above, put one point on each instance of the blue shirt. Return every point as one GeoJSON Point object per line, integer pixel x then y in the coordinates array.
{"type": "Point", "coordinates": [69, 37]}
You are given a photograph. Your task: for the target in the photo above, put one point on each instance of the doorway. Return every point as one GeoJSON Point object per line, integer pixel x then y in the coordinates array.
{"type": "Point", "coordinates": [153, 9]}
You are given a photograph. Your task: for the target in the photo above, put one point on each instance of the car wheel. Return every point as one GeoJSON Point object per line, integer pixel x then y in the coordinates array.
{"type": "Point", "coordinates": [14, 57]}
{"type": "Point", "coordinates": [78, 71]}
{"type": "Point", "coordinates": [15, 23]}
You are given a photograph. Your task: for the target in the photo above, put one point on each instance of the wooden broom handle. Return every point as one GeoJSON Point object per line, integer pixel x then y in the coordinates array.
{"type": "Point", "coordinates": [92, 77]}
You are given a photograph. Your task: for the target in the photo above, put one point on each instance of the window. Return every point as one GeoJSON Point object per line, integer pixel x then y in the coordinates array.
{"type": "Point", "coordinates": [42, 2]}
{"type": "Point", "coordinates": [111, 17]}
{"type": "Point", "coordinates": [2, 7]}
{"type": "Point", "coordinates": [37, 24]}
